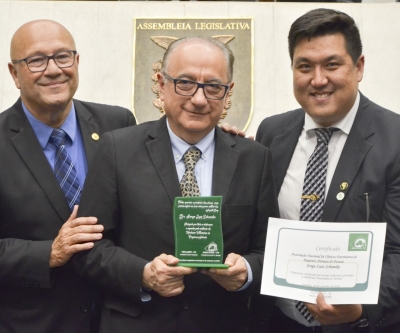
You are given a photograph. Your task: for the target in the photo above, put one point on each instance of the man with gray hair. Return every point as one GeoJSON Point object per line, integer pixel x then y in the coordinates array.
{"type": "Point", "coordinates": [144, 169]}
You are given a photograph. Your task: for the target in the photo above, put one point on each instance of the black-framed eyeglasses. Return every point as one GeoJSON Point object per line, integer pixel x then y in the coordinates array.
{"type": "Point", "coordinates": [39, 63]}
{"type": "Point", "coordinates": [189, 88]}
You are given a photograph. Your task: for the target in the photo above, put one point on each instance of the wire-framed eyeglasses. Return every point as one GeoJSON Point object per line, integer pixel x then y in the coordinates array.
{"type": "Point", "coordinates": [185, 87]}
{"type": "Point", "coordinates": [39, 63]}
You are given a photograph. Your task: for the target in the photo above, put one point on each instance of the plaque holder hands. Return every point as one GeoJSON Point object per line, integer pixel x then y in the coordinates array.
{"type": "Point", "coordinates": [232, 278]}
{"type": "Point", "coordinates": [164, 277]}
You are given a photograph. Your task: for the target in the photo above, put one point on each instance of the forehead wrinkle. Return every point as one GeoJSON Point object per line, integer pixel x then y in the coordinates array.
{"type": "Point", "coordinates": [179, 51]}
{"type": "Point", "coordinates": [193, 78]}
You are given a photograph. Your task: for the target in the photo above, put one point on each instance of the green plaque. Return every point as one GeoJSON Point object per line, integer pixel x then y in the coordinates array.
{"type": "Point", "coordinates": [198, 232]}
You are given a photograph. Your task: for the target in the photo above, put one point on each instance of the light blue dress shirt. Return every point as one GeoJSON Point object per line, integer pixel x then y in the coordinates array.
{"type": "Point", "coordinates": [73, 143]}
{"type": "Point", "coordinates": [203, 170]}
{"type": "Point", "coordinates": [204, 166]}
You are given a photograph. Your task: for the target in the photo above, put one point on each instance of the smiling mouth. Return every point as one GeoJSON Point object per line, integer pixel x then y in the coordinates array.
{"type": "Point", "coordinates": [55, 83]}
{"type": "Point", "coordinates": [321, 95]}
{"type": "Point", "coordinates": [197, 113]}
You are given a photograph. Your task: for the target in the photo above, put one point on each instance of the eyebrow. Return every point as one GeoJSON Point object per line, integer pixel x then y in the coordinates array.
{"type": "Point", "coordinates": [192, 78]}
{"type": "Point", "coordinates": [328, 59]}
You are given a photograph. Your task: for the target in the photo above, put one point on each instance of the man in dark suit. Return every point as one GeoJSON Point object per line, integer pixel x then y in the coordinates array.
{"type": "Point", "coordinates": [39, 289]}
{"type": "Point", "coordinates": [362, 181]}
{"type": "Point", "coordinates": [142, 168]}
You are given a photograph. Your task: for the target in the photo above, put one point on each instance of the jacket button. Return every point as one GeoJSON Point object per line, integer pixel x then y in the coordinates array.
{"type": "Point", "coordinates": [84, 308]}
{"type": "Point", "coordinates": [185, 305]}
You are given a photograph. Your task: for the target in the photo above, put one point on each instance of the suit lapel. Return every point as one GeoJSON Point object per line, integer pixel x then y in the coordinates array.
{"type": "Point", "coordinates": [225, 162]}
{"type": "Point", "coordinates": [28, 147]}
{"type": "Point", "coordinates": [88, 128]}
{"type": "Point", "coordinates": [160, 151]}
{"type": "Point", "coordinates": [282, 147]}
{"type": "Point", "coordinates": [353, 154]}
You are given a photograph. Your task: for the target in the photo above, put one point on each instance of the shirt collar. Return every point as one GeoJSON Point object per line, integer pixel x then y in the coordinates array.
{"type": "Point", "coordinates": [179, 146]}
{"type": "Point", "coordinates": [44, 131]}
{"type": "Point", "coordinates": [344, 124]}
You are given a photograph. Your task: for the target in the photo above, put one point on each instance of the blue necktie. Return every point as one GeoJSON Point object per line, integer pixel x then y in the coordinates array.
{"type": "Point", "coordinates": [64, 169]}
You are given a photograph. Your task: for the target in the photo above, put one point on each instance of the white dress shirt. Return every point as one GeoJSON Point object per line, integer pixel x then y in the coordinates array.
{"type": "Point", "coordinates": [292, 187]}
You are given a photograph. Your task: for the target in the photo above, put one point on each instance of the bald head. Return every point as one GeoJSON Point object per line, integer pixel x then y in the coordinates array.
{"type": "Point", "coordinates": [206, 41]}
{"type": "Point", "coordinates": [47, 93]}
{"type": "Point", "coordinates": [31, 33]}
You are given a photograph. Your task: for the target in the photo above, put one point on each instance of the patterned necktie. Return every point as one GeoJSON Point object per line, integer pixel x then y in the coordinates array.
{"type": "Point", "coordinates": [64, 169]}
{"type": "Point", "coordinates": [312, 200]}
{"type": "Point", "coordinates": [189, 186]}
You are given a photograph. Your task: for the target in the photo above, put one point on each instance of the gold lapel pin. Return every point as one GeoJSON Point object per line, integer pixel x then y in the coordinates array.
{"type": "Point", "coordinates": [312, 197]}
{"type": "Point", "coordinates": [95, 136]}
{"type": "Point", "coordinates": [343, 186]}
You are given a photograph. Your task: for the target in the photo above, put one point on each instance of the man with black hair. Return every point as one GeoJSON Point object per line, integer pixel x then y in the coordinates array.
{"type": "Point", "coordinates": [360, 174]}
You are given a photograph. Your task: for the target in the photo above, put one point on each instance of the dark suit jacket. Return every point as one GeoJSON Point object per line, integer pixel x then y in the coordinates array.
{"type": "Point", "coordinates": [134, 202]}
{"type": "Point", "coordinates": [33, 208]}
{"type": "Point", "coordinates": [369, 163]}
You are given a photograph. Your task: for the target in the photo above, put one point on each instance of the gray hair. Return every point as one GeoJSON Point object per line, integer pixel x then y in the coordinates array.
{"type": "Point", "coordinates": [205, 40]}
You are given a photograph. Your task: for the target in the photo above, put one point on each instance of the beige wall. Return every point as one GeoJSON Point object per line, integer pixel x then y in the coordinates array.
{"type": "Point", "coordinates": [104, 36]}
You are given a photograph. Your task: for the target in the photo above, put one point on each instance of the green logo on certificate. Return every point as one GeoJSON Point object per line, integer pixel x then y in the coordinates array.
{"type": "Point", "coordinates": [198, 232]}
{"type": "Point", "coordinates": [358, 242]}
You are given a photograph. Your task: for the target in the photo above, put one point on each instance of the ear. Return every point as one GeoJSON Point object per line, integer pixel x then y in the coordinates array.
{"type": "Point", "coordinates": [227, 93]}
{"type": "Point", "coordinates": [14, 73]}
{"type": "Point", "coordinates": [77, 59]}
{"type": "Point", "coordinates": [360, 67]}
{"type": "Point", "coordinates": [161, 84]}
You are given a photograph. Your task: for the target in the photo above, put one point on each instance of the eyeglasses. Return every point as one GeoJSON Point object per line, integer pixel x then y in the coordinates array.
{"type": "Point", "coordinates": [39, 63]}
{"type": "Point", "coordinates": [189, 88]}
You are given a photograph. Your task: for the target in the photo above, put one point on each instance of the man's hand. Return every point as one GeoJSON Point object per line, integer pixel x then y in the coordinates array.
{"type": "Point", "coordinates": [232, 278]}
{"type": "Point", "coordinates": [234, 130]}
{"type": "Point", "coordinates": [77, 234]}
{"type": "Point", "coordinates": [328, 314]}
{"type": "Point", "coordinates": [163, 279]}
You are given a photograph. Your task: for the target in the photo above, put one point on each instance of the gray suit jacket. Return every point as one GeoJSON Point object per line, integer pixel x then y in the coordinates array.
{"type": "Point", "coordinates": [32, 210]}
{"type": "Point", "coordinates": [135, 203]}
{"type": "Point", "coordinates": [369, 163]}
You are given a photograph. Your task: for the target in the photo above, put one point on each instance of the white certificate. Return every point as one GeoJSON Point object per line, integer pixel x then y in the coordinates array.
{"type": "Point", "coordinates": [341, 260]}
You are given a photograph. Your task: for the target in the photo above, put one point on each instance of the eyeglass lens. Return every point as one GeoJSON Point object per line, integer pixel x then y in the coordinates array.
{"type": "Point", "coordinates": [62, 59]}
{"type": "Point", "coordinates": [187, 88]}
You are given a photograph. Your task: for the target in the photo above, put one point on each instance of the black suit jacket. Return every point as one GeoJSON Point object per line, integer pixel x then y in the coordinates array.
{"type": "Point", "coordinates": [135, 203]}
{"type": "Point", "coordinates": [33, 208]}
{"type": "Point", "coordinates": [369, 163]}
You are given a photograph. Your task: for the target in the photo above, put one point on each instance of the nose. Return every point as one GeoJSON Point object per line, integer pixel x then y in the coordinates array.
{"type": "Point", "coordinates": [52, 68]}
{"type": "Point", "coordinates": [199, 98]}
{"type": "Point", "coordinates": [319, 78]}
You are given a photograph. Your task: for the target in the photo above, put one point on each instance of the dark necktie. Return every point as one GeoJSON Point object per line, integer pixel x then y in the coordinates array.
{"type": "Point", "coordinates": [188, 184]}
{"type": "Point", "coordinates": [64, 169]}
{"type": "Point", "coordinates": [312, 200]}
{"type": "Point", "coordinates": [313, 197]}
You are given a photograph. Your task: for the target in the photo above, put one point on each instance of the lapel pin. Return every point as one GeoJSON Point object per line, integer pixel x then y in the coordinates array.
{"type": "Point", "coordinates": [95, 136]}
{"type": "Point", "coordinates": [340, 196]}
{"type": "Point", "coordinates": [343, 186]}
